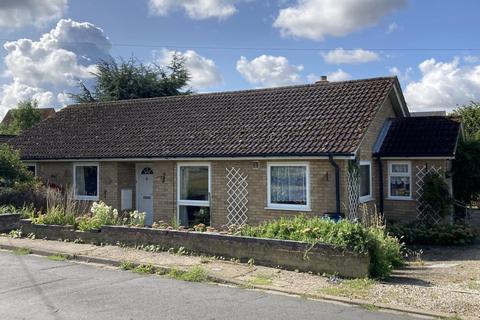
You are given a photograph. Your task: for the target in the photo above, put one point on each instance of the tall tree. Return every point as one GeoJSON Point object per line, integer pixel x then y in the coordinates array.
{"type": "Point", "coordinates": [24, 117]}
{"type": "Point", "coordinates": [132, 79]}
{"type": "Point", "coordinates": [470, 116]}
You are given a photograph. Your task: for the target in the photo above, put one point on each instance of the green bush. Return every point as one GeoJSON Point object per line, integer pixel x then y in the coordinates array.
{"type": "Point", "coordinates": [56, 215]}
{"type": "Point", "coordinates": [457, 234]}
{"type": "Point", "coordinates": [385, 250]}
{"type": "Point", "coordinates": [436, 195]}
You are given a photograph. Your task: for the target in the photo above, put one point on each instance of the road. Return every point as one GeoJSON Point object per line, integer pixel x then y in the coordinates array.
{"type": "Point", "coordinates": [33, 287]}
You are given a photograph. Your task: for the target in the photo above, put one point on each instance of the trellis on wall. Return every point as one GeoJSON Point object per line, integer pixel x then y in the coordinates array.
{"type": "Point", "coordinates": [424, 211]}
{"type": "Point", "coordinates": [237, 197]}
{"type": "Point", "coordinates": [353, 179]}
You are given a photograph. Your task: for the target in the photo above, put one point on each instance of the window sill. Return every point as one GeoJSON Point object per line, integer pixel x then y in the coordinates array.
{"type": "Point", "coordinates": [86, 198]}
{"type": "Point", "coordinates": [281, 208]}
{"type": "Point", "coordinates": [400, 198]}
{"type": "Point", "coordinates": [366, 199]}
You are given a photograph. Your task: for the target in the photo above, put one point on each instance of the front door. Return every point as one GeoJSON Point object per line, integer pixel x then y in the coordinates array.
{"type": "Point", "coordinates": [145, 192]}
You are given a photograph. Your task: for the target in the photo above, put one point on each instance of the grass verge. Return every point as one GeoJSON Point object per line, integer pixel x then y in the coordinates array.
{"type": "Point", "coordinates": [261, 279]}
{"type": "Point", "coordinates": [22, 251]}
{"type": "Point", "coordinates": [57, 257]}
{"type": "Point", "coordinates": [355, 288]}
{"type": "Point", "coordinates": [195, 274]}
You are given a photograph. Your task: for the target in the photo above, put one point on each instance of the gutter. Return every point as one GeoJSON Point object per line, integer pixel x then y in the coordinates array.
{"type": "Point", "coordinates": [337, 182]}
{"type": "Point", "coordinates": [380, 183]}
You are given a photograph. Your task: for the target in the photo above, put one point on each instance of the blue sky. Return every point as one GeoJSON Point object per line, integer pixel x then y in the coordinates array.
{"type": "Point", "coordinates": [426, 43]}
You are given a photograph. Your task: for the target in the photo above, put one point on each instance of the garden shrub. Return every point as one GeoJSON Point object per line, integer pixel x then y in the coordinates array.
{"type": "Point", "coordinates": [385, 250]}
{"type": "Point", "coordinates": [436, 195]}
{"type": "Point", "coordinates": [104, 215]}
{"type": "Point", "coordinates": [440, 234]}
{"type": "Point", "coordinates": [56, 215]}
{"type": "Point", "coordinates": [101, 214]}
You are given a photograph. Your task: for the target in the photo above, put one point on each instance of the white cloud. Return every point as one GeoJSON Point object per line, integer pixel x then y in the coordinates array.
{"type": "Point", "coordinates": [52, 65]}
{"type": "Point", "coordinates": [341, 56]}
{"type": "Point", "coordinates": [316, 19]}
{"type": "Point", "coordinates": [443, 85]}
{"type": "Point", "coordinates": [339, 75]}
{"type": "Point", "coordinates": [402, 76]}
{"type": "Point", "coordinates": [392, 27]}
{"type": "Point", "coordinates": [20, 13]}
{"type": "Point", "coordinates": [269, 71]}
{"type": "Point", "coordinates": [195, 9]}
{"type": "Point", "coordinates": [203, 71]}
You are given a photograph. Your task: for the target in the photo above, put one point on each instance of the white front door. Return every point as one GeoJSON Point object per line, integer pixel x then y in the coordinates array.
{"type": "Point", "coordinates": [145, 191]}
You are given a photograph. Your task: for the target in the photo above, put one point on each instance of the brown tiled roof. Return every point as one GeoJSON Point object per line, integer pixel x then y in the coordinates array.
{"type": "Point", "coordinates": [421, 137]}
{"type": "Point", "coordinates": [44, 114]}
{"type": "Point", "coordinates": [301, 120]}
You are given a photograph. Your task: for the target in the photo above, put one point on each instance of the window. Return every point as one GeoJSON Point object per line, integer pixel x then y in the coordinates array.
{"type": "Point", "coordinates": [288, 186]}
{"type": "Point", "coordinates": [86, 181]}
{"type": "Point", "coordinates": [399, 180]}
{"type": "Point", "coordinates": [32, 167]}
{"type": "Point", "coordinates": [193, 194]}
{"type": "Point", "coordinates": [365, 171]}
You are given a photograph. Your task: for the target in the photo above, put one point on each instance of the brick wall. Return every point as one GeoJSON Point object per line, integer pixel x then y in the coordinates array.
{"type": "Point", "coordinates": [322, 190]}
{"type": "Point", "coordinates": [59, 173]}
{"type": "Point", "coordinates": [405, 210]}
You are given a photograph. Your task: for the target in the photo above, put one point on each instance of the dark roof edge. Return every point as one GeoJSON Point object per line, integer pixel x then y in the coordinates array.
{"type": "Point", "coordinates": [420, 155]}
{"type": "Point", "coordinates": [234, 156]}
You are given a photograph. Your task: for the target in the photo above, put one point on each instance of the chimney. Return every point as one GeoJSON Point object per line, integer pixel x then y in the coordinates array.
{"type": "Point", "coordinates": [323, 79]}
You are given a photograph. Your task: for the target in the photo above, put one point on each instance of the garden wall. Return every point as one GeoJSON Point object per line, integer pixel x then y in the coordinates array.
{"type": "Point", "coordinates": [9, 221]}
{"type": "Point", "coordinates": [269, 252]}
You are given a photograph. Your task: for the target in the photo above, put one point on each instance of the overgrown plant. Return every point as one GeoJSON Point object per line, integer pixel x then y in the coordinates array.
{"type": "Point", "coordinates": [384, 249]}
{"type": "Point", "coordinates": [436, 196]}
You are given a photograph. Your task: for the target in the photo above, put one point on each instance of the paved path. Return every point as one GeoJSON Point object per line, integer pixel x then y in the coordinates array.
{"type": "Point", "coordinates": [33, 287]}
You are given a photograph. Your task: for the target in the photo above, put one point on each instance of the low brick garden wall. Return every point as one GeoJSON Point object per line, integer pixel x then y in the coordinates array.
{"type": "Point", "coordinates": [286, 254]}
{"type": "Point", "coordinates": [9, 221]}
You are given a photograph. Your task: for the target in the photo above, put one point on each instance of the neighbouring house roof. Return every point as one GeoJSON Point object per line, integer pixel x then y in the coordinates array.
{"type": "Point", "coordinates": [5, 137]}
{"type": "Point", "coordinates": [432, 136]}
{"type": "Point", "coordinates": [315, 119]}
{"type": "Point", "coordinates": [44, 114]}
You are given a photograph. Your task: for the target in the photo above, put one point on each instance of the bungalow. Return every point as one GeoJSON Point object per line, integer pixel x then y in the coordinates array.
{"type": "Point", "coordinates": [247, 156]}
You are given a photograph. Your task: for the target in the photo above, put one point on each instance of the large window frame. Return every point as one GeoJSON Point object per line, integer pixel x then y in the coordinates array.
{"type": "Point", "coordinates": [282, 206]}
{"type": "Point", "coordinates": [83, 197]}
{"type": "Point", "coordinates": [193, 203]}
{"type": "Point", "coordinates": [369, 196]}
{"type": "Point", "coordinates": [399, 174]}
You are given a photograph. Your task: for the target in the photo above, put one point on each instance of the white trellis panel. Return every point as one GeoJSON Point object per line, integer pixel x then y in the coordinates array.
{"type": "Point", "coordinates": [353, 178]}
{"type": "Point", "coordinates": [424, 212]}
{"type": "Point", "coordinates": [237, 197]}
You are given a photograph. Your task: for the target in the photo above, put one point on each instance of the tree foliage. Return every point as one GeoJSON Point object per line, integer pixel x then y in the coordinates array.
{"type": "Point", "coordinates": [436, 194]}
{"type": "Point", "coordinates": [466, 171]}
{"type": "Point", "coordinates": [24, 117]}
{"type": "Point", "coordinates": [132, 79]}
{"type": "Point", "coordinates": [12, 169]}
{"type": "Point", "coordinates": [470, 117]}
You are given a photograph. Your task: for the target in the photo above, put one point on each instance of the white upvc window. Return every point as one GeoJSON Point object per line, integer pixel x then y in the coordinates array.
{"type": "Point", "coordinates": [288, 186]}
{"type": "Point", "coordinates": [86, 181]}
{"type": "Point", "coordinates": [32, 167]}
{"type": "Point", "coordinates": [193, 193]}
{"type": "Point", "coordinates": [400, 180]}
{"type": "Point", "coordinates": [365, 172]}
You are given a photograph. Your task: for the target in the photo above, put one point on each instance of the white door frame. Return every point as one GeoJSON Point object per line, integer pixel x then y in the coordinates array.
{"type": "Point", "coordinates": [138, 167]}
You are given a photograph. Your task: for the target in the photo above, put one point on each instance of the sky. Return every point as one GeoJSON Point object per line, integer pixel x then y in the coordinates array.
{"type": "Point", "coordinates": [431, 45]}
